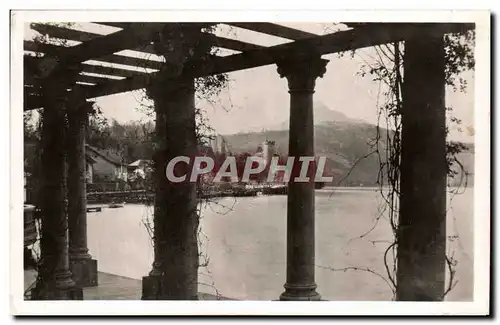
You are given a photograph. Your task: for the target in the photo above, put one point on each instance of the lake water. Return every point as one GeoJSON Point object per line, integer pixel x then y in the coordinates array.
{"type": "Point", "coordinates": [245, 240]}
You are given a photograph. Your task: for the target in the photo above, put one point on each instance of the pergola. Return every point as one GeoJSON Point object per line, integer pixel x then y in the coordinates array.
{"type": "Point", "coordinates": [63, 83]}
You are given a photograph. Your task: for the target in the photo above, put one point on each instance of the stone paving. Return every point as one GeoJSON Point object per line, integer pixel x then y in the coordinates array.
{"type": "Point", "coordinates": [113, 287]}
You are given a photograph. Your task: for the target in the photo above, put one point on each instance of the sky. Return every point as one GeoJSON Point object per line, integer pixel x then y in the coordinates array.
{"type": "Point", "coordinates": [258, 98]}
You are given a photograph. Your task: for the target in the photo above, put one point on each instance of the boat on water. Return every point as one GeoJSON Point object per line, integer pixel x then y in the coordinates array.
{"type": "Point", "coordinates": [94, 208]}
{"type": "Point", "coordinates": [275, 190]}
{"type": "Point", "coordinates": [116, 205]}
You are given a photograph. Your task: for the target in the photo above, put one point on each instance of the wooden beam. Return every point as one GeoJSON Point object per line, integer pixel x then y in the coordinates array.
{"type": "Point", "coordinates": [218, 41]}
{"type": "Point", "coordinates": [83, 36]}
{"type": "Point", "coordinates": [29, 79]}
{"type": "Point", "coordinates": [355, 25]}
{"type": "Point", "coordinates": [80, 36]}
{"type": "Point", "coordinates": [64, 33]}
{"type": "Point", "coordinates": [67, 57]}
{"type": "Point", "coordinates": [119, 86]}
{"type": "Point", "coordinates": [34, 88]}
{"type": "Point", "coordinates": [331, 43]}
{"type": "Point", "coordinates": [114, 24]}
{"type": "Point", "coordinates": [130, 37]}
{"type": "Point", "coordinates": [113, 58]}
{"type": "Point", "coordinates": [367, 24]}
{"type": "Point", "coordinates": [275, 30]}
{"type": "Point", "coordinates": [33, 96]}
{"type": "Point", "coordinates": [124, 25]}
{"type": "Point", "coordinates": [232, 44]}
{"type": "Point", "coordinates": [31, 90]}
{"type": "Point", "coordinates": [98, 69]}
{"type": "Point", "coordinates": [85, 67]}
{"type": "Point", "coordinates": [32, 101]}
{"type": "Point", "coordinates": [73, 35]}
{"type": "Point", "coordinates": [92, 79]}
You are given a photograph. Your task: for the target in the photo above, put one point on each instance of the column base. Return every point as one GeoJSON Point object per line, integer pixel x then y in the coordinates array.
{"type": "Point", "coordinates": [300, 293]}
{"type": "Point", "coordinates": [84, 272]}
{"type": "Point", "coordinates": [151, 287]}
{"type": "Point", "coordinates": [156, 270]}
{"type": "Point", "coordinates": [62, 287]}
{"type": "Point", "coordinates": [29, 261]}
{"type": "Point", "coordinates": [154, 288]}
{"type": "Point", "coordinates": [67, 294]}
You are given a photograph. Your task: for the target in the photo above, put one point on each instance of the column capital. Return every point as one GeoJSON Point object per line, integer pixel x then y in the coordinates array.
{"type": "Point", "coordinates": [163, 85]}
{"type": "Point", "coordinates": [302, 71]}
{"type": "Point", "coordinates": [78, 112]}
{"type": "Point", "coordinates": [85, 107]}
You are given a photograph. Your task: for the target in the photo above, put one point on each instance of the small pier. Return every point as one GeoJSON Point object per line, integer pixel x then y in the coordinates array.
{"type": "Point", "coordinates": [114, 287]}
{"type": "Point", "coordinates": [94, 208]}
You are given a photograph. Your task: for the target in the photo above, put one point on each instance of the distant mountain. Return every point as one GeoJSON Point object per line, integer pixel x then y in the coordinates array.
{"type": "Point", "coordinates": [322, 114]}
{"type": "Point", "coordinates": [345, 142]}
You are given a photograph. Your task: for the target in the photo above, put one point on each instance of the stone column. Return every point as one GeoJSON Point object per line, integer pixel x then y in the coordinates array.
{"type": "Point", "coordinates": [175, 269]}
{"type": "Point", "coordinates": [54, 280]}
{"type": "Point", "coordinates": [30, 236]}
{"type": "Point", "coordinates": [301, 73]}
{"type": "Point", "coordinates": [83, 267]}
{"type": "Point", "coordinates": [158, 174]}
{"type": "Point", "coordinates": [421, 239]}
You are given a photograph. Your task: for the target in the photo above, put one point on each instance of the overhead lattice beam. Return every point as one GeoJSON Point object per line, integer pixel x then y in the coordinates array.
{"type": "Point", "coordinates": [115, 24]}
{"type": "Point", "coordinates": [84, 36]}
{"type": "Point", "coordinates": [337, 42]}
{"type": "Point", "coordinates": [332, 43]}
{"type": "Point", "coordinates": [33, 98]}
{"type": "Point", "coordinates": [102, 70]}
{"type": "Point", "coordinates": [124, 25]}
{"type": "Point", "coordinates": [112, 58]}
{"type": "Point", "coordinates": [225, 43]}
{"type": "Point", "coordinates": [29, 79]}
{"type": "Point", "coordinates": [275, 30]}
{"type": "Point", "coordinates": [92, 79]}
{"type": "Point", "coordinates": [129, 37]}
{"type": "Point", "coordinates": [231, 44]}
{"type": "Point", "coordinates": [31, 102]}
{"type": "Point", "coordinates": [81, 36]}
{"type": "Point", "coordinates": [84, 67]}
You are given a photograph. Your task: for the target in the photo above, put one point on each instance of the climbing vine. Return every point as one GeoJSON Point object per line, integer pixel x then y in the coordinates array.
{"type": "Point", "coordinates": [384, 65]}
{"type": "Point", "coordinates": [192, 45]}
{"type": "Point", "coordinates": [37, 290]}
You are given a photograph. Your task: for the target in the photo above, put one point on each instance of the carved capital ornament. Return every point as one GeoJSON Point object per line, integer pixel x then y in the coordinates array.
{"type": "Point", "coordinates": [302, 72]}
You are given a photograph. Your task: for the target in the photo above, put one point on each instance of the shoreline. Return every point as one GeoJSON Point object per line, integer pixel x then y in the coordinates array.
{"type": "Point", "coordinates": [143, 197]}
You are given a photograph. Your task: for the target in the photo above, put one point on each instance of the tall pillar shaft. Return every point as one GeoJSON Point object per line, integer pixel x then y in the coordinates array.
{"type": "Point", "coordinates": [175, 270]}
{"type": "Point", "coordinates": [54, 278]}
{"type": "Point", "coordinates": [421, 256]}
{"type": "Point", "coordinates": [159, 173]}
{"type": "Point", "coordinates": [83, 267]}
{"type": "Point", "coordinates": [301, 74]}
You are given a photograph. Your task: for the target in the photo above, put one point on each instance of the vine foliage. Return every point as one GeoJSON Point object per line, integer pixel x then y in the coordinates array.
{"type": "Point", "coordinates": [383, 64]}
{"type": "Point", "coordinates": [190, 45]}
{"type": "Point", "coordinates": [194, 47]}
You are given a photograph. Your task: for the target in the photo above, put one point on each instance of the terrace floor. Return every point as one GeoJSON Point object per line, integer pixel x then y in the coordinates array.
{"type": "Point", "coordinates": [113, 287]}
